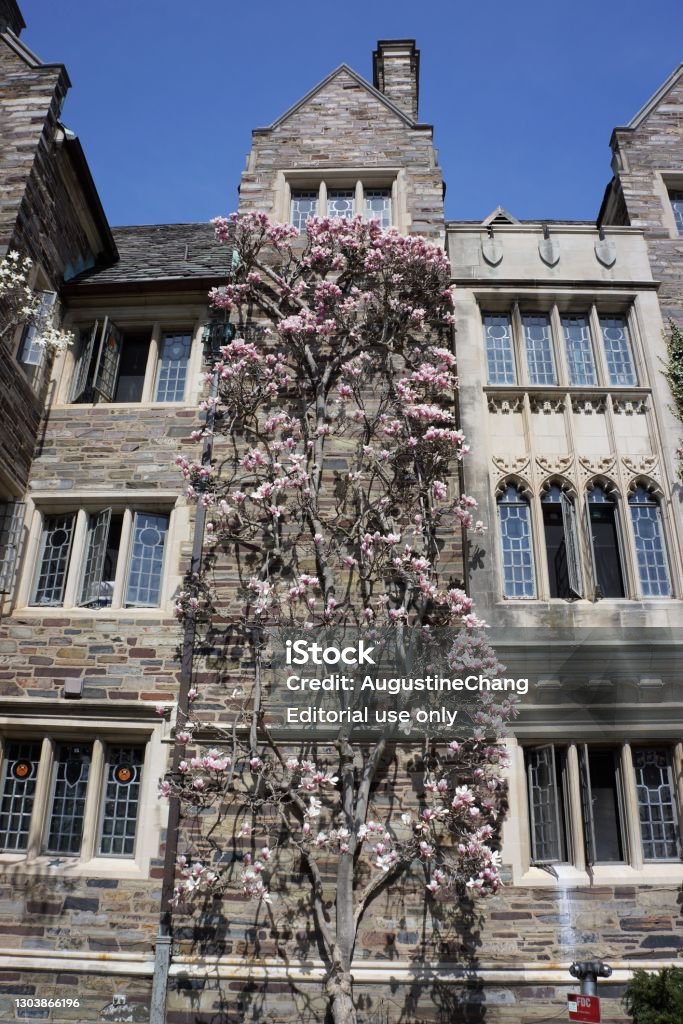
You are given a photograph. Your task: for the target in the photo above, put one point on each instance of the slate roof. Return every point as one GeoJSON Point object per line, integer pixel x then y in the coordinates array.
{"type": "Point", "coordinates": [161, 252]}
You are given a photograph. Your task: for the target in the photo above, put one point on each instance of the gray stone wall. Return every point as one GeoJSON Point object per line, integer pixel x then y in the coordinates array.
{"type": "Point", "coordinates": [647, 159]}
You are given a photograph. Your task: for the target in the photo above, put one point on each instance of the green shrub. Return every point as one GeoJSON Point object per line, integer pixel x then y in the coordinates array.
{"type": "Point", "coordinates": [656, 998]}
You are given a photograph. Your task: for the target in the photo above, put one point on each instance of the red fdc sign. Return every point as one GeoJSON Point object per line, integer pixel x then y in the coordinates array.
{"type": "Point", "coordinates": [584, 1008]}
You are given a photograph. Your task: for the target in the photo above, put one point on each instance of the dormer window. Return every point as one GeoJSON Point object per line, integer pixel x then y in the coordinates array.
{"type": "Point", "coordinates": [344, 196]}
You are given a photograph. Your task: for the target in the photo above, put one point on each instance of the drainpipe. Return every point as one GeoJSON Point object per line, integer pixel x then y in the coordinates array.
{"type": "Point", "coordinates": [162, 951]}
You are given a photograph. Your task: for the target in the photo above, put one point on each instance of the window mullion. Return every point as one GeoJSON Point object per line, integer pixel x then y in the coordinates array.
{"type": "Point", "coordinates": [91, 820]}
{"type": "Point", "coordinates": [122, 561]}
{"type": "Point", "coordinates": [152, 364]}
{"type": "Point", "coordinates": [577, 852]}
{"type": "Point", "coordinates": [631, 811]}
{"type": "Point", "coordinates": [519, 346]}
{"type": "Point", "coordinates": [557, 347]}
{"type": "Point", "coordinates": [598, 347]}
{"type": "Point", "coordinates": [40, 800]}
{"type": "Point", "coordinates": [77, 559]}
{"type": "Point", "coordinates": [360, 205]}
{"type": "Point", "coordinates": [322, 200]}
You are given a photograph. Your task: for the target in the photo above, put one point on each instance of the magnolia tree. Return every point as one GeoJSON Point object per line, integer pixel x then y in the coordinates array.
{"type": "Point", "coordinates": [20, 304]}
{"type": "Point", "coordinates": [330, 494]}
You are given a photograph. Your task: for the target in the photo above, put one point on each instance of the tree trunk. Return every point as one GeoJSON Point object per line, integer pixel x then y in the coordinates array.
{"type": "Point", "coordinates": [339, 988]}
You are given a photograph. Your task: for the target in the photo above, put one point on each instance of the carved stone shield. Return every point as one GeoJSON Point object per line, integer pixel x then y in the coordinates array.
{"type": "Point", "coordinates": [549, 251]}
{"type": "Point", "coordinates": [606, 252]}
{"type": "Point", "coordinates": [492, 251]}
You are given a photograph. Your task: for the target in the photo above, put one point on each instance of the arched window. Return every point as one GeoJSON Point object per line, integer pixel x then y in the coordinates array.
{"type": "Point", "coordinates": [605, 545]}
{"type": "Point", "coordinates": [653, 570]}
{"type": "Point", "coordinates": [515, 539]}
{"type": "Point", "coordinates": [561, 544]}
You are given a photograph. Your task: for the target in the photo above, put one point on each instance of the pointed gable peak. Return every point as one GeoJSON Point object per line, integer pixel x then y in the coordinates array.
{"type": "Point", "coordinates": [343, 69]}
{"type": "Point", "coordinates": [499, 216]}
{"type": "Point", "coordinates": [657, 97]}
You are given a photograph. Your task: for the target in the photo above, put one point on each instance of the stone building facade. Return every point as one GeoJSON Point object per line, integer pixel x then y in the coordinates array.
{"type": "Point", "coordinates": [559, 342]}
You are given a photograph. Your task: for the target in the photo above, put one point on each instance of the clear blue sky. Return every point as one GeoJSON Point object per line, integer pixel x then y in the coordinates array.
{"type": "Point", "coordinates": [523, 96]}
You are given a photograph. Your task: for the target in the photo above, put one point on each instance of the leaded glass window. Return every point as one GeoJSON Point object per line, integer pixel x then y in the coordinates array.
{"type": "Point", "coordinates": [11, 523]}
{"type": "Point", "coordinates": [377, 203]}
{"type": "Point", "coordinates": [31, 351]}
{"type": "Point", "coordinates": [577, 340]}
{"type": "Point", "coordinates": [516, 544]}
{"type": "Point", "coordinates": [174, 355]}
{"type": "Point", "coordinates": [618, 354]}
{"type": "Point", "coordinates": [538, 342]}
{"type": "Point", "coordinates": [656, 804]}
{"type": "Point", "coordinates": [677, 207]}
{"type": "Point", "coordinates": [146, 559]}
{"type": "Point", "coordinates": [653, 569]}
{"type": "Point", "coordinates": [341, 203]}
{"type": "Point", "coordinates": [70, 773]}
{"type": "Point", "coordinates": [121, 800]}
{"type": "Point", "coordinates": [53, 560]}
{"type": "Point", "coordinates": [19, 774]}
{"type": "Point", "coordinates": [304, 205]}
{"type": "Point", "coordinates": [546, 811]}
{"type": "Point", "coordinates": [499, 351]}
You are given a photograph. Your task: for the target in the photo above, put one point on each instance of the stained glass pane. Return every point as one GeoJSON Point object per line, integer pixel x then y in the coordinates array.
{"type": "Point", "coordinates": [677, 207]}
{"type": "Point", "coordinates": [577, 339]}
{"type": "Point", "coordinates": [515, 533]}
{"type": "Point", "coordinates": [499, 355]}
{"type": "Point", "coordinates": [378, 205]}
{"type": "Point", "coordinates": [174, 355]}
{"type": "Point", "coordinates": [617, 351]}
{"type": "Point", "coordinates": [147, 559]}
{"type": "Point", "coordinates": [304, 205]}
{"type": "Point", "coordinates": [657, 804]}
{"type": "Point", "coordinates": [18, 787]}
{"type": "Point", "coordinates": [539, 349]}
{"type": "Point", "coordinates": [653, 569]}
{"type": "Point", "coordinates": [341, 203]}
{"type": "Point", "coordinates": [54, 560]}
{"type": "Point", "coordinates": [121, 799]}
{"type": "Point", "coordinates": [69, 784]}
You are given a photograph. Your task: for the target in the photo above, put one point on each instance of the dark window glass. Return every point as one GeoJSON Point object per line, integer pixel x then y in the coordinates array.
{"type": "Point", "coordinates": [132, 367]}
{"type": "Point", "coordinates": [555, 544]}
{"type": "Point", "coordinates": [605, 805]}
{"type": "Point", "coordinates": [602, 513]}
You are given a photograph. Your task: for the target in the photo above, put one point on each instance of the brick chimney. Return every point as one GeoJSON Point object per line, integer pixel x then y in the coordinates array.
{"type": "Point", "coordinates": [10, 17]}
{"type": "Point", "coordinates": [396, 73]}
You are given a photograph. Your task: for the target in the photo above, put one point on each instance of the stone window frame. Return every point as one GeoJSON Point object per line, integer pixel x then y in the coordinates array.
{"type": "Point", "coordinates": [130, 321]}
{"type": "Point", "coordinates": [84, 506]}
{"type": "Point", "coordinates": [343, 178]}
{"type": "Point", "coordinates": [575, 869]}
{"type": "Point", "coordinates": [594, 308]}
{"type": "Point", "coordinates": [584, 556]}
{"type": "Point", "coordinates": [666, 182]}
{"type": "Point", "coordinates": [52, 729]}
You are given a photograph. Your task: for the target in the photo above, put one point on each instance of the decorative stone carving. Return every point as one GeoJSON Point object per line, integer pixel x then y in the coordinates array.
{"type": "Point", "coordinates": [549, 251]}
{"type": "Point", "coordinates": [589, 404]}
{"type": "Point", "coordinates": [547, 403]}
{"type": "Point", "coordinates": [120, 1010]}
{"type": "Point", "coordinates": [597, 466]}
{"type": "Point", "coordinates": [629, 406]}
{"type": "Point", "coordinates": [645, 464]}
{"type": "Point", "coordinates": [498, 404]}
{"type": "Point", "coordinates": [606, 252]}
{"type": "Point", "coordinates": [492, 251]}
{"type": "Point", "coordinates": [559, 464]}
{"type": "Point", "coordinates": [511, 463]}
